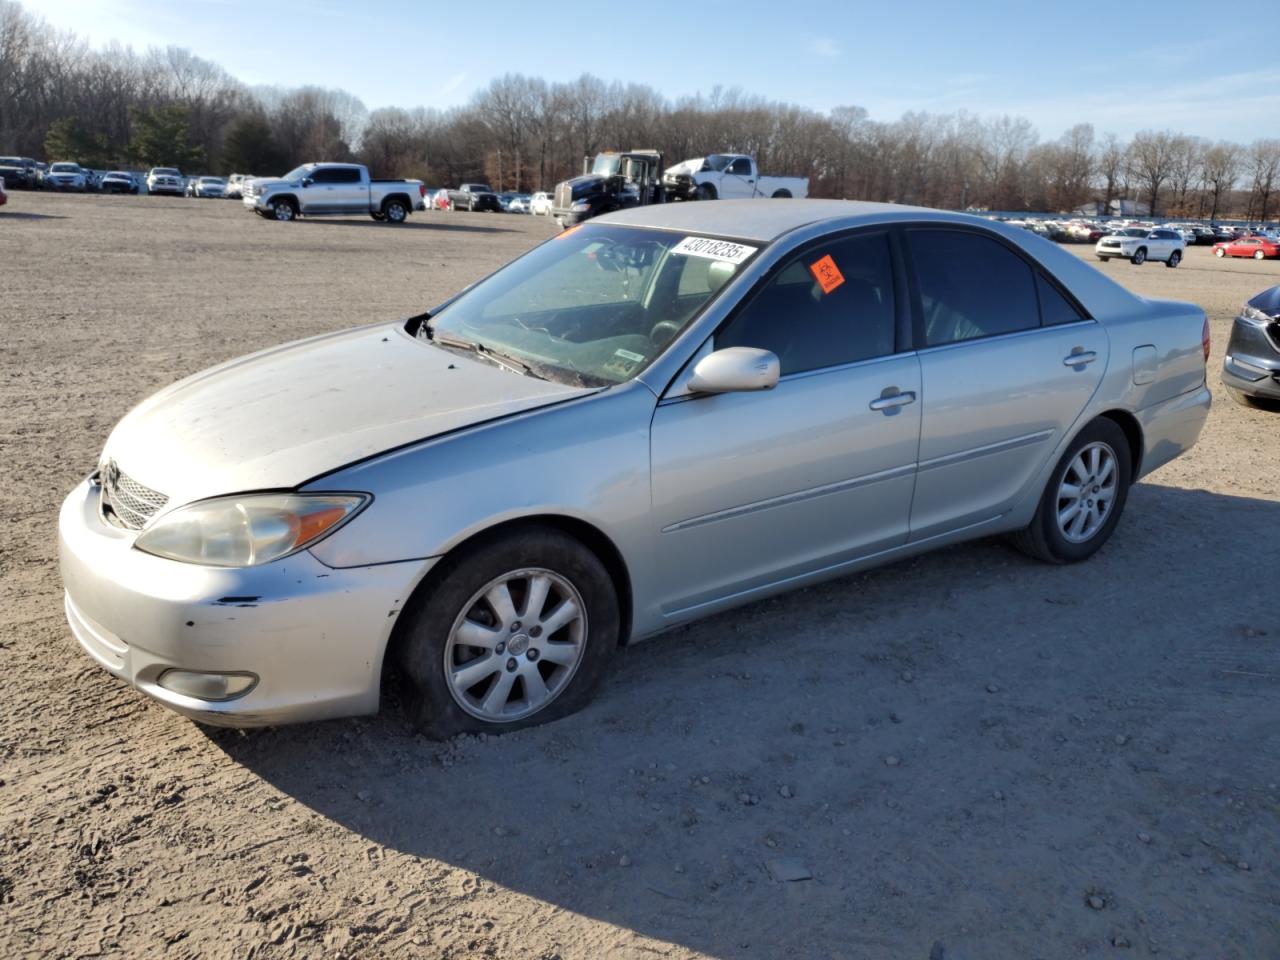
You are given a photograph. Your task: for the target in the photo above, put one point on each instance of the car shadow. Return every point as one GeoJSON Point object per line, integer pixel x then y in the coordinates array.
{"type": "Point", "coordinates": [918, 740]}
{"type": "Point", "coordinates": [415, 224]}
{"type": "Point", "coordinates": [23, 215]}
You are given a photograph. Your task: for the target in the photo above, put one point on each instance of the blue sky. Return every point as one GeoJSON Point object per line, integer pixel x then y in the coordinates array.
{"type": "Point", "coordinates": [1198, 67]}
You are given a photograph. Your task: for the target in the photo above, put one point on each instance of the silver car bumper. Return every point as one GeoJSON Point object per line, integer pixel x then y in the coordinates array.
{"type": "Point", "coordinates": [312, 635]}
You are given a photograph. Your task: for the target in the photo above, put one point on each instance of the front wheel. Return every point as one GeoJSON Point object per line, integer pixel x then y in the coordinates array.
{"type": "Point", "coordinates": [516, 630]}
{"type": "Point", "coordinates": [1084, 498]}
{"type": "Point", "coordinates": [1175, 258]}
{"type": "Point", "coordinates": [1139, 258]}
{"type": "Point", "coordinates": [705, 191]}
{"type": "Point", "coordinates": [1219, 253]}
{"type": "Point", "coordinates": [283, 211]}
{"type": "Point", "coordinates": [1104, 259]}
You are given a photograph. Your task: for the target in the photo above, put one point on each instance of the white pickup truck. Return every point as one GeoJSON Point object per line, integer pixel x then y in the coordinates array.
{"type": "Point", "coordinates": [333, 189]}
{"type": "Point", "coordinates": [727, 176]}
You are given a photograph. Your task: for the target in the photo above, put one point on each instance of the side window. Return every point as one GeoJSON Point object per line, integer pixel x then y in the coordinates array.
{"type": "Point", "coordinates": [833, 304]}
{"type": "Point", "coordinates": [1054, 307]}
{"type": "Point", "coordinates": [324, 175]}
{"type": "Point", "coordinates": [740, 167]}
{"type": "Point", "coordinates": [971, 286]}
{"type": "Point", "coordinates": [346, 175]}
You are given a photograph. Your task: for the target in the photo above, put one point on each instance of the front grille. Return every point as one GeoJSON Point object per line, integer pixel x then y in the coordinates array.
{"type": "Point", "coordinates": [127, 500]}
{"type": "Point", "coordinates": [564, 196]}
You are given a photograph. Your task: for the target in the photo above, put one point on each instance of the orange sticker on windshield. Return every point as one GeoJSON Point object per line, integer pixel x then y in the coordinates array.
{"type": "Point", "coordinates": [826, 273]}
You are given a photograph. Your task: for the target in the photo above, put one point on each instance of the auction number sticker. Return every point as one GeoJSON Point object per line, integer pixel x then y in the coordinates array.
{"type": "Point", "coordinates": [826, 273]}
{"type": "Point", "coordinates": [725, 250]}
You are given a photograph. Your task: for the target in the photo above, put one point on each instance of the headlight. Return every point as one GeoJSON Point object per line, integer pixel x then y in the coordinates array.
{"type": "Point", "coordinates": [1253, 313]}
{"type": "Point", "coordinates": [248, 530]}
{"type": "Point", "coordinates": [580, 206]}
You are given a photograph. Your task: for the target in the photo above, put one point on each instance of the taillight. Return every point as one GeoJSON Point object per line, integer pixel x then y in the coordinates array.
{"type": "Point", "coordinates": [1204, 339]}
{"type": "Point", "coordinates": [422, 189]}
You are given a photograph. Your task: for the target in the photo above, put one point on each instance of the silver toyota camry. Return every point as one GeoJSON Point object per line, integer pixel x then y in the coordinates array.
{"type": "Point", "coordinates": [650, 418]}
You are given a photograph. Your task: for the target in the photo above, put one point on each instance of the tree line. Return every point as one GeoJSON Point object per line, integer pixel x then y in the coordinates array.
{"type": "Point", "coordinates": [63, 99]}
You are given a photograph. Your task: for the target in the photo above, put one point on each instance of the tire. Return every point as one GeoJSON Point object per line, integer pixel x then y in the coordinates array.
{"type": "Point", "coordinates": [283, 210]}
{"type": "Point", "coordinates": [471, 206]}
{"type": "Point", "coordinates": [395, 211]}
{"type": "Point", "coordinates": [705, 191]}
{"type": "Point", "coordinates": [1140, 257]}
{"type": "Point", "coordinates": [380, 217]}
{"type": "Point", "coordinates": [1259, 255]}
{"type": "Point", "coordinates": [440, 612]}
{"type": "Point", "coordinates": [781, 195]}
{"type": "Point", "coordinates": [1044, 538]}
{"type": "Point", "coordinates": [1175, 258]}
{"type": "Point", "coordinates": [1104, 259]}
{"type": "Point", "coordinates": [1219, 253]}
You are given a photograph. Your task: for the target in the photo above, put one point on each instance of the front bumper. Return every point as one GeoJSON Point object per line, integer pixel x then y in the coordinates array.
{"type": "Point", "coordinates": [1252, 361]}
{"type": "Point", "coordinates": [1126, 252]}
{"type": "Point", "coordinates": [313, 635]}
{"type": "Point", "coordinates": [568, 218]}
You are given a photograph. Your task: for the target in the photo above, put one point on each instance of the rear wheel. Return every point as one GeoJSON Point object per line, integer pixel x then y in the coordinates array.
{"type": "Point", "coordinates": [1104, 259]}
{"type": "Point", "coordinates": [1259, 255]}
{"type": "Point", "coordinates": [380, 217]}
{"type": "Point", "coordinates": [1084, 498]}
{"type": "Point", "coordinates": [1175, 258]}
{"type": "Point", "coordinates": [781, 195]}
{"type": "Point", "coordinates": [1139, 258]}
{"type": "Point", "coordinates": [517, 629]}
{"type": "Point", "coordinates": [395, 211]}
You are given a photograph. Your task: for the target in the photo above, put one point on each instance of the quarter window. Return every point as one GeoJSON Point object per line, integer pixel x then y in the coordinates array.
{"type": "Point", "coordinates": [971, 286]}
{"type": "Point", "coordinates": [831, 305]}
{"type": "Point", "coordinates": [1054, 306]}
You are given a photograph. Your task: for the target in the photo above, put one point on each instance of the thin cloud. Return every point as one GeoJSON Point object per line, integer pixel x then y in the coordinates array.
{"type": "Point", "coordinates": [825, 47]}
{"type": "Point", "coordinates": [452, 84]}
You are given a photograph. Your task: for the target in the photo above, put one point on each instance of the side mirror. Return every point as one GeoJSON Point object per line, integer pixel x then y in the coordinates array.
{"type": "Point", "coordinates": [735, 369]}
{"type": "Point", "coordinates": [307, 181]}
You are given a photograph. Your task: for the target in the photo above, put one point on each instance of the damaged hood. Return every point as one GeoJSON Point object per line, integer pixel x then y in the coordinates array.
{"type": "Point", "coordinates": [278, 418]}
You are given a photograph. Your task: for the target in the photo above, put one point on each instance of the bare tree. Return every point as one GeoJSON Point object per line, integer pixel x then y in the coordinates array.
{"type": "Point", "coordinates": [1150, 162]}
{"type": "Point", "coordinates": [1262, 160]}
{"type": "Point", "coordinates": [1220, 166]}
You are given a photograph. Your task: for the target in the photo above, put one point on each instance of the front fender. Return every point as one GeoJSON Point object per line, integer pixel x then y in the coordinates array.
{"type": "Point", "coordinates": [587, 459]}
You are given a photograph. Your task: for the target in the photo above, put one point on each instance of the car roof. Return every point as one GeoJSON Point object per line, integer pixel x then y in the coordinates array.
{"type": "Point", "coordinates": [763, 220]}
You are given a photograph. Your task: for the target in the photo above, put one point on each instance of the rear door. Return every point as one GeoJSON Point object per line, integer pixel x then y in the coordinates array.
{"type": "Point", "coordinates": [350, 191]}
{"type": "Point", "coordinates": [1008, 361]}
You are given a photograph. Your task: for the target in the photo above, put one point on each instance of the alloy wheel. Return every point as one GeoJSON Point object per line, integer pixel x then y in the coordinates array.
{"type": "Point", "coordinates": [516, 645]}
{"type": "Point", "coordinates": [1087, 492]}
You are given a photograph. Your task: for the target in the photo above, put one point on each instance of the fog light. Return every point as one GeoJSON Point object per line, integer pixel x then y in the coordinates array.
{"type": "Point", "coordinates": [208, 686]}
{"type": "Point", "coordinates": [1245, 371]}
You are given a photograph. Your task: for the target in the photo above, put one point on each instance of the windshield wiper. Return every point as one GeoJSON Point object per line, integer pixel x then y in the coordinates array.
{"type": "Point", "coordinates": [496, 357]}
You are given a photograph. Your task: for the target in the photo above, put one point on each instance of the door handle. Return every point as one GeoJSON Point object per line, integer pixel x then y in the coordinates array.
{"type": "Point", "coordinates": [893, 400]}
{"type": "Point", "coordinates": [1078, 358]}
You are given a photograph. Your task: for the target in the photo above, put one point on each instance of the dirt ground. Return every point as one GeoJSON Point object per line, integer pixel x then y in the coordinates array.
{"type": "Point", "coordinates": [972, 755]}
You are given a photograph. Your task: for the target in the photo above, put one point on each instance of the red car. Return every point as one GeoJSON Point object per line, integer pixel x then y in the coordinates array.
{"type": "Point", "coordinates": [1260, 248]}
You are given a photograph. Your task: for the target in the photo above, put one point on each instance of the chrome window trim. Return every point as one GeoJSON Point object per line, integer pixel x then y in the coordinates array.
{"type": "Point", "coordinates": [923, 351]}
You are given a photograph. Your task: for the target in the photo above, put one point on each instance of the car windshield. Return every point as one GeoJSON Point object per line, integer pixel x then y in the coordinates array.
{"type": "Point", "coordinates": [64, 168]}
{"type": "Point", "coordinates": [717, 162]}
{"type": "Point", "coordinates": [595, 305]}
{"type": "Point", "coordinates": [297, 173]}
{"type": "Point", "coordinates": [1133, 232]}
{"type": "Point", "coordinates": [116, 175]}
{"type": "Point", "coordinates": [10, 161]}
{"type": "Point", "coordinates": [607, 164]}
{"type": "Point", "coordinates": [165, 172]}
{"type": "Point", "coordinates": [213, 180]}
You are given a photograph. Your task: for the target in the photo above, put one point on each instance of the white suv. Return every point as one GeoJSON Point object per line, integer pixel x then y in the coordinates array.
{"type": "Point", "coordinates": [1140, 244]}
{"type": "Point", "coordinates": [541, 204]}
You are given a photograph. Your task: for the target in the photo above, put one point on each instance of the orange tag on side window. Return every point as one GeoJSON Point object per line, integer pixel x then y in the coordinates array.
{"type": "Point", "coordinates": [826, 273]}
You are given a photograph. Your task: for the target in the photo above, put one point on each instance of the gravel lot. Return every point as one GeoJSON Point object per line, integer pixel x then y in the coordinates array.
{"type": "Point", "coordinates": [970, 754]}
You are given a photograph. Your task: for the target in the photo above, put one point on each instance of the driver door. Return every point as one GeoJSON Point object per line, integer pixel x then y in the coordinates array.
{"type": "Point", "coordinates": [753, 489]}
{"type": "Point", "coordinates": [738, 182]}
